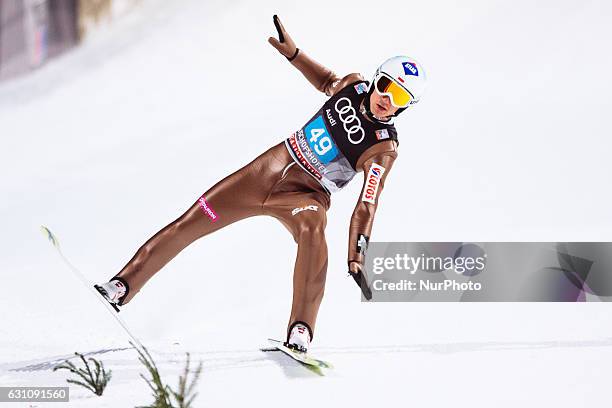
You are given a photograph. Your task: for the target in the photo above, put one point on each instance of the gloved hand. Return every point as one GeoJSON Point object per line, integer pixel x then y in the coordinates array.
{"type": "Point", "coordinates": [356, 271]}
{"type": "Point", "coordinates": [284, 44]}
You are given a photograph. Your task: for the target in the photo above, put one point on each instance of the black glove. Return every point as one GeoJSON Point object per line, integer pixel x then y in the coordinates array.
{"type": "Point", "coordinates": [284, 44]}
{"type": "Point", "coordinates": [360, 279]}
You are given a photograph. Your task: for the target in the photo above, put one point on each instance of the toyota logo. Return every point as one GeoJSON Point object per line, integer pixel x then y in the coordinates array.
{"type": "Point", "coordinates": [348, 115]}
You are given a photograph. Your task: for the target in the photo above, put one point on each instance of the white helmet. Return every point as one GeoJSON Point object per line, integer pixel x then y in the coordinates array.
{"type": "Point", "coordinates": [402, 78]}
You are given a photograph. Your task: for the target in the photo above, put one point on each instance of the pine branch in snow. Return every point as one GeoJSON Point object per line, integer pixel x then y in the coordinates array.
{"type": "Point", "coordinates": [95, 381]}
{"type": "Point", "coordinates": [185, 395]}
{"type": "Point", "coordinates": [163, 394]}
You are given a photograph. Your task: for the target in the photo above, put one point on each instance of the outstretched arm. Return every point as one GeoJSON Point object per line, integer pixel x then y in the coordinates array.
{"type": "Point", "coordinates": [322, 78]}
{"type": "Point", "coordinates": [376, 168]}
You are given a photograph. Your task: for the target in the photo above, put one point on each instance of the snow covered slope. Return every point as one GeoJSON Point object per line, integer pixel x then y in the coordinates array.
{"type": "Point", "coordinates": [109, 143]}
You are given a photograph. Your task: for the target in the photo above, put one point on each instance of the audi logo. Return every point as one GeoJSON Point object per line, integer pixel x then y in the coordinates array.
{"type": "Point", "coordinates": [348, 116]}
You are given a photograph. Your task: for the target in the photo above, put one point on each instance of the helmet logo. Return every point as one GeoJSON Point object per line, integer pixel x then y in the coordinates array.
{"type": "Point", "coordinates": [348, 115]}
{"type": "Point", "coordinates": [410, 68]}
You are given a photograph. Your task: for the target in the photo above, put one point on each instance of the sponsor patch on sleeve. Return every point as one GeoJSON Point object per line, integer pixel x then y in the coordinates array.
{"type": "Point", "coordinates": [361, 88]}
{"type": "Point", "coordinates": [372, 182]}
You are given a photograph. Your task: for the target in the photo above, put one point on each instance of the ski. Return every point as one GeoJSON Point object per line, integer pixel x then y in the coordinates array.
{"type": "Point", "coordinates": [303, 358]}
{"type": "Point", "coordinates": [90, 286]}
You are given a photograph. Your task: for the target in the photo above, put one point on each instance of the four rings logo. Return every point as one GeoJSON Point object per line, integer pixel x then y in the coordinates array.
{"type": "Point", "coordinates": [349, 119]}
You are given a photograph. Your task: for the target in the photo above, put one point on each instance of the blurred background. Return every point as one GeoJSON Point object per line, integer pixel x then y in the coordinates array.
{"type": "Point", "coordinates": [35, 31]}
{"type": "Point", "coordinates": [116, 116]}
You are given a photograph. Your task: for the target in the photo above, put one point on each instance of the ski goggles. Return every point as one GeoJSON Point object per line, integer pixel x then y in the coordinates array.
{"type": "Point", "coordinates": [385, 85]}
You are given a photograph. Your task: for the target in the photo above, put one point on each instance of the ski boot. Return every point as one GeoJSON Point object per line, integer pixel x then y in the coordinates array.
{"type": "Point", "coordinates": [299, 337]}
{"type": "Point", "coordinates": [113, 291]}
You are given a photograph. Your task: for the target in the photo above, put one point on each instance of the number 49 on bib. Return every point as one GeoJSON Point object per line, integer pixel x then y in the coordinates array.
{"type": "Point", "coordinates": [320, 141]}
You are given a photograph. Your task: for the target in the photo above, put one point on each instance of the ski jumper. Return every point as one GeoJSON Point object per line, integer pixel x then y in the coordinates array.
{"type": "Point", "coordinates": [292, 182]}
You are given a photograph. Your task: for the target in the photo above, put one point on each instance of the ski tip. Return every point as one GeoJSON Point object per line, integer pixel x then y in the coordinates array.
{"type": "Point", "coordinates": [47, 232]}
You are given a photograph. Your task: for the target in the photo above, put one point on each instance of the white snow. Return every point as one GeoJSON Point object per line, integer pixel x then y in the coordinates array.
{"type": "Point", "coordinates": [114, 140]}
